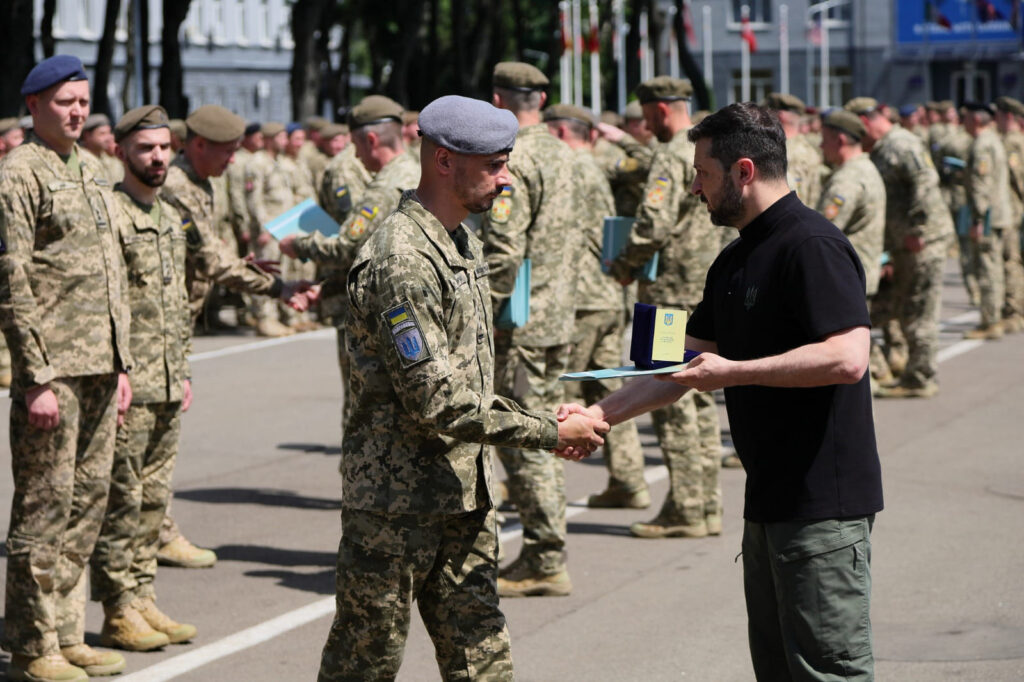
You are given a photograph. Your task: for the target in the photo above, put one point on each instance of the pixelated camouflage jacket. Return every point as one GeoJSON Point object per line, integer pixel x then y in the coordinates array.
{"type": "Point", "coordinates": [595, 290]}
{"type": "Point", "coordinates": [988, 180]}
{"type": "Point", "coordinates": [422, 351]}
{"type": "Point", "coordinates": [64, 304]}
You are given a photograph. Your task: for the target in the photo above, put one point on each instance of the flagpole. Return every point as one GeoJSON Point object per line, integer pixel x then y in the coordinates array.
{"type": "Point", "coordinates": [619, 47]}
{"type": "Point", "coordinates": [577, 52]}
{"type": "Point", "coordinates": [595, 59]}
{"type": "Point", "coordinates": [673, 44]}
{"type": "Point", "coordinates": [706, 40]}
{"type": "Point", "coordinates": [744, 56]}
{"type": "Point", "coordinates": [784, 48]}
{"type": "Point", "coordinates": [565, 63]}
{"type": "Point", "coordinates": [823, 104]}
{"type": "Point", "coordinates": [645, 48]}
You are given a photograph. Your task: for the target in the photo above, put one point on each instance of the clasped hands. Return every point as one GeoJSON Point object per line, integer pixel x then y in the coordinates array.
{"type": "Point", "coordinates": [300, 295]}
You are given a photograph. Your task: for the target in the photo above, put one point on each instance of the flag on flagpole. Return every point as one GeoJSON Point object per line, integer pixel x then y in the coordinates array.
{"type": "Point", "coordinates": [563, 25]}
{"type": "Point", "coordinates": [691, 35]}
{"type": "Point", "coordinates": [747, 34]}
{"type": "Point", "coordinates": [814, 30]}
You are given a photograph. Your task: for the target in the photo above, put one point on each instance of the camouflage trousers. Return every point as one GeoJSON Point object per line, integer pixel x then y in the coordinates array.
{"type": "Point", "coordinates": [1013, 272]}
{"type": "Point", "coordinates": [124, 562]}
{"type": "Point", "coordinates": [917, 300]}
{"type": "Point", "coordinates": [5, 356]}
{"type": "Point", "coordinates": [168, 527]}
{"type": "Point", "coordinates": [883, 317]}
{"type": "Point", "coordinates": [536, 478]}
{"type": "Point", "coordinates": [691, 444]}
{"type": "Point", "coordinates": [61, 478]}
{"type": "Point", "coordinates": [987, 259]}
{"type": "Point", "coordinates": [597, 344]}
{"type": "Point", "coordinates": [448, 564]}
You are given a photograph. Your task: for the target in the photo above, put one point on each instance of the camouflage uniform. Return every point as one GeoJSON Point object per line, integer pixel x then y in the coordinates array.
{"type": "Point", "coordinates": [124, 563]}
{"type": "Point", "coordinates": [1014, 272]}
{"type": "Point", "coordinates": [674, 223]}
{"type": "Point", "coordinates": [334, 255]}
{"type": "Point", "coordinates": [344, 182]}
{"type": "Point", "coordinates": [600, 325]}
{"type": "Point", "coordinates": [418, 518]}
{"type": "Point", "coordinates": [208, 260]}
{"type": "Point", "coordinates": [64, 310]}
{"type": "Point", "coordinates": [238, 210]}
{"type": "Point", "coordinates": [914, 206]}
{"type": "Point", "coordinates": [535, 219]}
{"type": "Point", "coordinates": [804, 169]}
{"type": "Point", "coordinates": [988, 196]}
{"type": "Point", "coordinates": [626, 164]}
{"type": "Point", "coordinates": [314, 161]}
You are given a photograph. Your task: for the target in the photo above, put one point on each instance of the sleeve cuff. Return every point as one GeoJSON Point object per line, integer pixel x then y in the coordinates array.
{"type": "Point", "coordinates": [276, 288]}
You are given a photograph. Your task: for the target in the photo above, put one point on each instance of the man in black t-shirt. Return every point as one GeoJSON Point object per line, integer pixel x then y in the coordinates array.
{"type": "Point", "coordinates": [783, 328]}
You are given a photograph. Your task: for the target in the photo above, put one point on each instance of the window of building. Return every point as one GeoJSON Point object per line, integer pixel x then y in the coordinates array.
{"type": "Point", "coordinates": [89, 18]}
{"type": "Point", "coordinates": [216, 23]}
{"type": "Point", "coordinates": [265, 23]}
{"type": "Point", "coordinates": [193, 24]}
{"type": "Point", "coordinates": [760, 11]}
{"type": "Point", "coordinates": [761, 83]}
{"type": "Point", "coordinates": [837, 16]}
{"type": "Point", "coordinates": [237, 20]}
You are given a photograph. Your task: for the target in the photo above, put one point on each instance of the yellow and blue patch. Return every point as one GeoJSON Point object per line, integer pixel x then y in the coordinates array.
{"type": "Point", "coordinates": [501, 209]}
{"type": "Point", "coordinates": [362, 221]}
{"type": "Point", "coordinates": [406, 334]}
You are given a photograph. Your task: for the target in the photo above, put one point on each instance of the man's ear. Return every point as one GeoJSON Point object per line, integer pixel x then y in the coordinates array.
{"type": "Point", "coordinates": [745, 171]}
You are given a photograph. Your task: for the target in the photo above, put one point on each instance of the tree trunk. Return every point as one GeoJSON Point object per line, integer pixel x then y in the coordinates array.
{"type": "Point", "coordinates": [16, 59]}
{"type": "Point", "coordinates": [172, 87]}
{"type": "Point", "coordinates": [458, 46]}
{"type": "Point", "coordinates": [305, 74]}
{"type": "Point", "coordinates": [127, 99]}
{"type": "Point", "coordinates": [407, 42]}
{"type": "Point", "coordinates": [46, 29]}
{"type": "Point", "coordinates": [690, 68]}
{"type": "Point", "coordinates": [147, 91]}
{"type": "Point", "coordinates": [105, 59]}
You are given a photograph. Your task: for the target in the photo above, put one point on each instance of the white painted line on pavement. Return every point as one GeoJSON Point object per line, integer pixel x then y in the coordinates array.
{"type": "Point", "coordinates": [959, 348]}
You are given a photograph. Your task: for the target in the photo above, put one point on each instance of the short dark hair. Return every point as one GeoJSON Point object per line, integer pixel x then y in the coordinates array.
{"type": "Point", "coordinates": [745, 130]}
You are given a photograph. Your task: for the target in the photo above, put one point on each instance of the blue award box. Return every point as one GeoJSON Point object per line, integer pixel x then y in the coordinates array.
{"type": "Point", "coordinates": [614, 238]}
{"type": "Point", "coordinates": [515, 311]}
{"type": "Point", "coordinates": [302, 218]}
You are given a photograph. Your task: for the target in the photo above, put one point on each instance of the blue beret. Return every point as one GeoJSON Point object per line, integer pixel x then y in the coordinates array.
{"type": "Point", "coordinates": [292, 127]}
{"type": "Point", "coordinates": [49, 72]}
{"type": "Point", "coordinates": [468, 126]}
{"type": "Point", "coordinates": [252, 128]}
{"type": "Point", "coordinates": [907, 110]}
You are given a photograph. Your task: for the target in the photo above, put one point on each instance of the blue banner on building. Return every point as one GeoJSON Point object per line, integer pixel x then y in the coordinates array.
{"type": "Point", "coordinates": [957, 21]}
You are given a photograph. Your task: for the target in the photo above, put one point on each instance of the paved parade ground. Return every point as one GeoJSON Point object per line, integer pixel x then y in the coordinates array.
{"type": "Point", "coordinates": [257, 480]}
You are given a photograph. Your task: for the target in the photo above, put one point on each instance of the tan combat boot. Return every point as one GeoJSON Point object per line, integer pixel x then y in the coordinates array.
{"type": "Point", "coordinates": [662, 528]}
{"type": "Point", "coordinates": [714, 523]}
{"type": "Point", "coordinates": [125, 628]}
{"type": "Point", "coordinates": [273, 329]}
{"type": "Point", "coordinates": [899, 391]}
{"type": "Point", "coordinates": [161, 622]}
{"type": "Point", "coordinates": [181, 553]}
{"type": "Point", "coordinates": [520, 580]}
{"type": "Point", "coordinates": [94, 663]}
{"type": "Point", "coordinates": [989, 332]}
{"type": "Point", "coordinates": [5, 378]}
{"type": "Point", "coordinates": [617, 498]}
{"type": "Point", "coordinates": [51, 668]}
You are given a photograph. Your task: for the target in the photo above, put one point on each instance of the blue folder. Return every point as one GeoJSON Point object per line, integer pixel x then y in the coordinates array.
{"type": "Point", "coordinates": [963, 222]}
{"type": "Point", "coordinates": [615, 237]}
{"type": "Point", "coordinates": [515, 311]}
{"type": "Point", "coordinates": [302, 219]}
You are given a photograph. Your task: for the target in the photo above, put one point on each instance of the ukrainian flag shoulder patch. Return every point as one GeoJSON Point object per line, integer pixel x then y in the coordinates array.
{"type": "Point", "coordinates": [406, 335]}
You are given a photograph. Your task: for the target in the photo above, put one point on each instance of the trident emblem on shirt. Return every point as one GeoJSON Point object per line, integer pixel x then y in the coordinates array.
{"type": "Point", "coordinates": [751, 298]}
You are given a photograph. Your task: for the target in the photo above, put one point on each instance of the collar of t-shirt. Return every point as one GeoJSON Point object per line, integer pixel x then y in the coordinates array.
{"type": "Point", "coordinates": [761, 226]}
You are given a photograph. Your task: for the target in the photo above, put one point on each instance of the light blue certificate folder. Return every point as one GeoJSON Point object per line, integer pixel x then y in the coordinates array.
{"type": "Point", "coordinates": [302, 219]}
{"type": "Point", "coordinates": [515, 312]}
{"type": "Point", "coordinates": [616, 234]}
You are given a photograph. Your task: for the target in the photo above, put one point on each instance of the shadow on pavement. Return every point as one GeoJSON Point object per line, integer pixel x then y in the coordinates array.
{"type": "Point", "coordinates": [598, 529]}
{"type": "Point", "coordinates": [263, 496]}
{"type": "Point", "coordinates": [318, 448]}
{"type": "Point", "coordinates": [321, 582]}
{"type": "Point", "coordinates": [275, 556]}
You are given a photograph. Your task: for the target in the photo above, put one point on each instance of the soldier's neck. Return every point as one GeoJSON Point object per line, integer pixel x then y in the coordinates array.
{"type": "Point", "coordinates": [58, 144]}
{"type": "Point", "coordinates": [138, 190]}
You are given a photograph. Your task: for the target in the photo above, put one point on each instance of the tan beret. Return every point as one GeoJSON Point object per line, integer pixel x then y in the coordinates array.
{"type": "Point", "coordinates": [845, 122]}
{"type": "Point", "coordinates": [93, 121]}
{"type": "Point", "coordinates": [145, 117]}
{"type": "Point", "coordinates": [861, 105]}
{"type": "Point", "coordinates": [315, 123]}
{"type": "Point", "coordinates": [932, 105]}
{"type": "Point", "coordinates": [519, 76]}
{"type": "Point", "coordinates": [783, 101]}
{"type": "Point", "coordinates": [8, 124]}
{"type": "Point", "coordinates": [1010, 105]}
{"type": "Point", "coordinates": [271, 128]}
{"type": "Point", "coordinates": [946, 105]}
{"type": "Point", "coordinates": [374, 109]}
{"type": "Point", "coordinates": [633, 111]}
{"type": "Point", "coordinates": [178, 128]}
{"type": "Point", "coordinates": [611, 118]}
{"type": "Point", "coordinates": [569, 112]}
{"type": "Point", "coordinates": [410, 116]}
{"type": "Point", "coordinates": [663, 89]}
{"type": "Point", "coordinates": [333, 130]}
{"type": "Point", "coordinates": [216, 124]}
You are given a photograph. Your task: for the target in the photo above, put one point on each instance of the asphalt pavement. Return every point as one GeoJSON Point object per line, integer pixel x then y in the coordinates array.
{"type": "Point", "coordinates": [257, 481]}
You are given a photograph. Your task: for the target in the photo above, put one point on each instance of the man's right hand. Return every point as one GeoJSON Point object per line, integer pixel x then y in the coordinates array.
{"type": "Point", "coordinates": [610, 132]}
{"type": "Point", "coordinates": [43, 411]}
{"type": "Point", "coordinates": [579, 435]}
{"type": "Point", "coordinates": [287, 246]}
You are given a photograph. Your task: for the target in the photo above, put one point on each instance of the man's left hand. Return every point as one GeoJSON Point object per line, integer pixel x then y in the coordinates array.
{"type": "Point", "coordinates": [124, 397]}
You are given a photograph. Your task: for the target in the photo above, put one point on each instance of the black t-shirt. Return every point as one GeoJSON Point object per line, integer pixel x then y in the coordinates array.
{"type": "Point", "coordinates": [789, 280]}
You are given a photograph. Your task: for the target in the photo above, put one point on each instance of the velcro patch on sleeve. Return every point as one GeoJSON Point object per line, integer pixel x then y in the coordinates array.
{"type": "Point", "coordinates": [406, 334]}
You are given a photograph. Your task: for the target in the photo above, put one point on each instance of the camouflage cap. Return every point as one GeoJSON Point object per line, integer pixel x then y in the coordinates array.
{"type": "Point", "coordinates": [332, 130]}
{"type": "Point", "coordinates": [945, 105]}
{"type": "Point", "coordinates": [410, 116]}
{"type": "Point", "coordinates": [1010, 105]}
{"type": "Point", "coordinates": [315, 123]}
{"type": "Point", "coordinates": [979, 107]}
{"type": "Point", "coordinates": [271, 128]}
{"type": "Point", "coordinates": [8, 124]}
{"type": "Point", "coordinates": [557, 112]}
{"type": "Point", "coordinates": [845, 122]}
{"type": "Point", "coordinates": [663, 89]}
{"type": "Point", "coordinates": [145, 117]}
{"type": "Point", "coordinates": [374, 109]}
{"type": "Point", "coordinates": [178, 128]}
{"type": "Point", "coordinates": [93, 121]}
{"type": "Point", "coordinates": [634, 111]}
{"type": "Point", "coordinates": [783, 101]}
{"type": "Point", "coordinates": [861, 105]}
{"type": "Point", "coordinates": [932, 105]}
{"type": "Point", "coordinates": [611, 118]}
{"type": "Point", "coordinates": [216, 124]}
{"type": "Point", "coordinates": [519, 76]}
{"type": "Point", "coordinates": [468, 126]}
